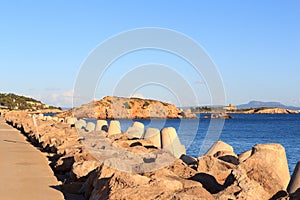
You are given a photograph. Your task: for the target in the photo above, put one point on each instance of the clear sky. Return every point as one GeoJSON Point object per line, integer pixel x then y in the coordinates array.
{"type": "Point", "coordinates": [254, 44]}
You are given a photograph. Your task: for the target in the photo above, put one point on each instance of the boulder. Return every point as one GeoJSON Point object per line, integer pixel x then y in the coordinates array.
{"type": "Point", "coordinates": [101, 125]}
{"type": "Point", "coordinates": [189, 160]}
{"type": "Point", "coordinates": [213, 173]}
{"type": "Point", "coordinates": [90, 127]}
{"type": "Point", "coordinates": [243, 187]}
{"type": "Point", "coordinates": [171, 142]}
{"type": "Point", "coordinates": [114, 127]}
{"type": "Point", "coordinates": [107, 183]}
{"type": "Point", "coordinates": [294, 184]}
{"type": "Point", "coordinates": [221, 116]}
{"type": "Point", "coordinates": [268, 167]}
{"type": "Point", "coordinates": [244, 156]}
{"type": "Point", "coordinates": [64, 164]}
{"type": "Point", "coordinates": [188, 114]}
{"type": "Point", "coordinates": [82, 169]}
{"type": "Point", "coordinates": [153, 135]}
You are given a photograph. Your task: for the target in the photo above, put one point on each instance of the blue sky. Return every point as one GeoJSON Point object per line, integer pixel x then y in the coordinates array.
{"type": "Point", "coordinates": [254, 44]}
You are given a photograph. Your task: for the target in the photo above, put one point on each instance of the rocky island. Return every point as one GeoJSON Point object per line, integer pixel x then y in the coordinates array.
{"type": "Point", "coordinates": [127, 108]}
{"type": "Point", "coordinates": [267, 111]}
{"type": "Point", "coordinates": [234, 110]}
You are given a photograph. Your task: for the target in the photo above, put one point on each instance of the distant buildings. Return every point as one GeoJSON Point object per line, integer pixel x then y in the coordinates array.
{"type": "Point", "coordinates": [37, 105]}
{"type": "Point", "coordinates": [230, 107]}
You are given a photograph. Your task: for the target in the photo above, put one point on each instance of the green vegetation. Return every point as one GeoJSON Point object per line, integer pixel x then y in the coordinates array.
{"type": "Point", "coordinates": [165, 104]}
{"type": "Point", "coordinates": [201, 109]}
{"type": "Point", "coordinates": [126, 105]}
{"type": "Point", "coordinates": [136, 99]}
{"type": "Point", "coordinates": [146, 104]}
{"type": "Point", "coordinates": [17, 102]}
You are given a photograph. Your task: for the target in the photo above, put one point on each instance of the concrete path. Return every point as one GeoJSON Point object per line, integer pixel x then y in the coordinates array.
{"type": "Point", "coordinates": [24, 170]}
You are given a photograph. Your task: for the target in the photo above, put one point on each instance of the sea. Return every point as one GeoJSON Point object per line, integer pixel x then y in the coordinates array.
{"type": "Point", "coordinates": [242, 132]}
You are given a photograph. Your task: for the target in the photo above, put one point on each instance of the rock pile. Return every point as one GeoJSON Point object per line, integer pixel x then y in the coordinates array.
{"type": "Point", "coordinates": [98, 171]}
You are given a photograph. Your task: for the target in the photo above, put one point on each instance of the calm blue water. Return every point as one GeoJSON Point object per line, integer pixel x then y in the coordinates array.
{"type": "Point", "coordinates": [242, 132]}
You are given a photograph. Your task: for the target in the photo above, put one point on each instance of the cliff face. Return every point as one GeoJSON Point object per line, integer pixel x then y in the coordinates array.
{"type": "Point", "coordinates": [128, 108]}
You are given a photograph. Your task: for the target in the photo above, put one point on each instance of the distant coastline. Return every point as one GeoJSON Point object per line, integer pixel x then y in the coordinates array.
{"type": "Point", "coordinates": [251, 111]}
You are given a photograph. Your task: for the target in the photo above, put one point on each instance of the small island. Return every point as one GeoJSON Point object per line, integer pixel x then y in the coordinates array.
{"type": "Point", "coordinates": [111, 107]}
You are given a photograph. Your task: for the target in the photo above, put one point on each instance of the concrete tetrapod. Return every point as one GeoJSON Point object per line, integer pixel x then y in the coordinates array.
{"type": "Point", "coordinates": [90, 127]}
{"type": "Point", "coordinates": [40, 116]}
{"type": "Point", "coordinates": [295, 180]}
{"type": "Point", "coordinates": [114, 127]}
{"type": "Point", "coordinates": [220, 146]}
{"type": "Point", "coordinates": [153, 135]}
{"type": "Point", "coordinates": [101, 125]}
{"type": "Point", "coordinates": [136, 130]}
{"type": "Point", "coordinates": [138, 124]}
{"type": "Point", "coordinates": [171, 142]}
{"type": "Point", "coordinates": [80, 124]}
{"type": "Point", "coordinates": [70, 120]}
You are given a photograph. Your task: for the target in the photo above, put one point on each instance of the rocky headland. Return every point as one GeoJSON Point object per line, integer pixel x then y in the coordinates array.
{"type": "Point", "coordinates": [127, 108]}
{"type": "Point", "coordinates": [268, 111]}
{"type": "Point", "coordinates": [84, 158]}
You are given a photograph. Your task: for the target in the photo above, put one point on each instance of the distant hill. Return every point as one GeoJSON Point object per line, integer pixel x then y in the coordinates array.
{"type": "Point", "coordinates": [18, 102]}
{"type": "Point", "coordinates": [127, 108]}
{"type": "Point", "coordinates": [261, 104]}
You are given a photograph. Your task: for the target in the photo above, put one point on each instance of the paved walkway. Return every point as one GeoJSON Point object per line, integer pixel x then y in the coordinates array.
{"type": "Point", "coordinates": [24, 170]}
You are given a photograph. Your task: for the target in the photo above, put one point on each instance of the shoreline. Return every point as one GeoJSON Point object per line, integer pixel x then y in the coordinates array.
{"type": "Point", "coordinates": [80, 172]}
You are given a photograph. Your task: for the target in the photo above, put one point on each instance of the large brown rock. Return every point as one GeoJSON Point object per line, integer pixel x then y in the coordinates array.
{"type": "Point", "coordinates": [267, 167]}
{"type": "Point", "coordinates": [245, 155]}
{"type": "Point", "coordinates": [213, 173]}
{"type": "Point", "coordinates": [162, 184]}
{"type": "Point", "coordinates": [82, 169]}
{"type": "Point", "coordinates": [64, 164]}
{"type": "Point", "coordinates": [244, 187]}
{"type": "Point", "coordinates": [295, 180]}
